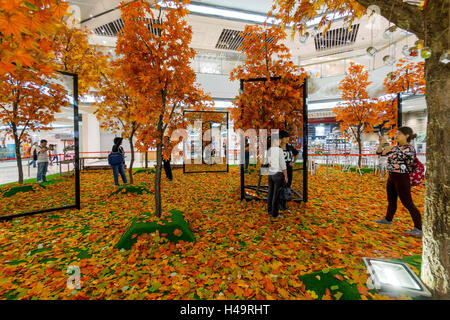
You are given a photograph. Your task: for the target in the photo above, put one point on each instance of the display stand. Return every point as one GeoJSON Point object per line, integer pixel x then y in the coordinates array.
{"type": "Point", "coordinates": [259, 191]}
{"type": "Point", "coordinates": [205, 167]}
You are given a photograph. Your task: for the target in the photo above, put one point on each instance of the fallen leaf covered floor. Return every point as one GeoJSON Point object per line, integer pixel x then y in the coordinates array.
{"type": "Point", "coordinates": [240, 252]}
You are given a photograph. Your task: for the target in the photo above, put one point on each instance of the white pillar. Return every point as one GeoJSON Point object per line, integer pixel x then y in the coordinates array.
{"type": "Point", "coordinates": [90, 134]}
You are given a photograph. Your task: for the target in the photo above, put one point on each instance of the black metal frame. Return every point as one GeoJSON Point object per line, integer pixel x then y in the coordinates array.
{"type": "Point", "coordinates": [304, 197]}
{"type": "Point", "coordinates": [399, 110]}
{"type": "Point", "coordinates": [77, 204]}
{"type": "Point", "coordinates": [227, 149]}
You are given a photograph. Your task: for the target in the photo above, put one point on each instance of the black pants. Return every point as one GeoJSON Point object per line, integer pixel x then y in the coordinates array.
{"type": "Point", "coordinates": [398, 185]}
{"type": "Point", "coordinates": [289, 170]}
{"type": "Point", "coordinates": [247, 159]}
{"type": "Point", "coordinates": [276, 183]}
{"type": "Point", "coordinates": [168, 169]}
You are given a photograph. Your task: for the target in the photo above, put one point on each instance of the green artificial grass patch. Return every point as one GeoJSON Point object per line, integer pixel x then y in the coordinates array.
{"type": "Point", "coordinates": [50, 177]}
{"type": "Point", "coordinates": [143, 170]}
{"type": "Point", "coordinates": [137, 228]}
{"type": "Point", "coordinates": [11, 189]}
{"type": "Point", "coordinates": [130, 189]}
{"type": "Point", "coordinates": [363, 170]}
{"type": "Point", "coordinates": [14, 190]}
{"type": "Point", "coordinates": [327, 280]}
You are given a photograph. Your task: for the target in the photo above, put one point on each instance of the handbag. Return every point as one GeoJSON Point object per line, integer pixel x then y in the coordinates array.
{"type": "Point", "coordinates": [115, 158]}
{"type": "Point", "coordinates": [418, 174]}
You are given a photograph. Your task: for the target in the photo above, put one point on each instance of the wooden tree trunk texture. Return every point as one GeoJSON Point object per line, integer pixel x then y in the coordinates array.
{"type": "Point", "coordinates": [436, 229]}
{"type": "Point", "coordinates": [18, 155]}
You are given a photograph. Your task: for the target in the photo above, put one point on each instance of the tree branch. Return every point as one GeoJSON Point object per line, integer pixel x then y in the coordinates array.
{"type": "Point", "coordinates": [405, 16]}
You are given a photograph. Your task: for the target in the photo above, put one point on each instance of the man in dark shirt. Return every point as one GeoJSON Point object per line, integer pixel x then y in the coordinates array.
{"type": "Point", "coordinates": [290, 156]}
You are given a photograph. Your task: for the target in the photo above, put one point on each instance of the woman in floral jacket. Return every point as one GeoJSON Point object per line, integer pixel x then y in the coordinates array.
{"type": "Point", "coordinates": [400, 161]}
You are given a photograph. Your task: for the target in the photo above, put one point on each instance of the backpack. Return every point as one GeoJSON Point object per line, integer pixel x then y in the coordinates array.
{"type": "Point", "coordinates": [115, 158]}
{"type": "Point", "coordinates": [418, 174]}
{"type": "Point", "coordinates": [286, 193]}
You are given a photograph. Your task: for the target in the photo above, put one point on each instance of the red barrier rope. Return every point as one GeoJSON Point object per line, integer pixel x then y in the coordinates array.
{"type": "Point", "coordinates": [310, 155]}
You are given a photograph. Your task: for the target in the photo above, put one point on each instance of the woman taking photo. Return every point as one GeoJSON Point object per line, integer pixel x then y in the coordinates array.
{"type": "Point", "coordinates": [400, 160]}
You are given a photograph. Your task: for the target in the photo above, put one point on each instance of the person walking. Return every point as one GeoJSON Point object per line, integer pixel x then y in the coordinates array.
{"type": "Point", "coordinates": [42, 161]}
{"type": "Point", "coordinates": [400, 160]}
{"type": "Point", "coordinates": [116, 160]}
{"type": "Point", "coordinates": [290, 157]}
{"type": "Point", "coordinates": [277, 176]}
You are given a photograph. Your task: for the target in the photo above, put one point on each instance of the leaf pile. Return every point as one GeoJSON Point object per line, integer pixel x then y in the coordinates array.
{"type": "Point", "coordinates": [239, 253]}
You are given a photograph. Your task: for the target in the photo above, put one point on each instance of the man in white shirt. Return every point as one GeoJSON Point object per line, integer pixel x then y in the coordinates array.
{"type": "Point", "coordinates": [42, 161]}
{"type": "Point", "coordinates": [277, 176]}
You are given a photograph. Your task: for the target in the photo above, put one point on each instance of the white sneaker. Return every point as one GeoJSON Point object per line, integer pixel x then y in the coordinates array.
{"type": "Point", "coordinates": [383, 221]}
{"type": "Point", "coordinates": [414, 232]}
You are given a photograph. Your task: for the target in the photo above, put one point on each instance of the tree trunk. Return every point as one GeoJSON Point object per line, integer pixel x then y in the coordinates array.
{"type": "Point", "coordinates": [158, 209]}
{"type": "Point", "coordinates": [146, 159]}
{"type": "Point", "coordinates": [130, 170]}
{"type": "Point", "coordinates": [436, 229]}
{"type": "Point", "coordinates": [17, 143]}
{"type": "Point", "coordinates": [358, 139]}
{"type": "Point", "coordinates": [432, 25]}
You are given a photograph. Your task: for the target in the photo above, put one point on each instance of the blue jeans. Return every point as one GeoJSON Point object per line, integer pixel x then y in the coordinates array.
{"type": "Point", "coordinates": [116, 170]}
{"type": "Point", "coordinates": [32, 162]}
{"type": "Point", "coordinates": [42, 171]}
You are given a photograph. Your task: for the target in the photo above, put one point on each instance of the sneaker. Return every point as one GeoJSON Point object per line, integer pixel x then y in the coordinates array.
{"type": "Point", "coordinates": [414, 232]}
{"type": "Point", "coordinates": [383, 221]}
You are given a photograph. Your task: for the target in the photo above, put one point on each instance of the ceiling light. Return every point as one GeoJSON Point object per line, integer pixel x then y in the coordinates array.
{"type": "Point", "coordinates": [405, 50]}
{"type": "Point", "coordinates": [425, 53]}
{"type": "Point", "coordinates": [371, 51]}
{"type": "Point", "coordinates": [389, 32]}
{"type": "Point", "coordinates": [394, 279]}
{"type": "Point", "coordinates": [388, 60]}
{"type": "Point", "coordinates": [235, 14]}
{"type": "Point", "coordinates": [444, 58]}
{"type": "Point", "coordinates": [304, 37]}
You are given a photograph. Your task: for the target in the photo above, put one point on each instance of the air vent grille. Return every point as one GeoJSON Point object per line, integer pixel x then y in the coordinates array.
{"type": "Point", "coordinates": [232, 40]}
{"type": "Point", "coordinates": [112, 29]}
{"type": "Point", "coordinates": [336, 38]}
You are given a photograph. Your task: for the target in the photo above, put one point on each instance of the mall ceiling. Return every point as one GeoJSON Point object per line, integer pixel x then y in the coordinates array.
{"type": "Point", "coordinates": [217, 34]}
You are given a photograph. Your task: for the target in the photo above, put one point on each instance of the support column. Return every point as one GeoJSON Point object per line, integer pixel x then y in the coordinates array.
{"type": "Point", "coordinates": [90, 135]}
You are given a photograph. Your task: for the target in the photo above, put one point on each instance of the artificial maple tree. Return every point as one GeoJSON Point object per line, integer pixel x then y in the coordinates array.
{"type": "Point", "coordinates": [116, 107]}
{"type": "Point", "coordinates": [75, 54]}
{"type": "Point", "coordinates": [268, 104]}
{"type": "Point", "coordinates": [429, 22]}
{"type": "Point", "coordinates": [156, 58]}
{"type": "Point", "coordinates": [26, 32]}
{"type": "Point", "coordinates": [357, 113]}
{"type": "Point", "coordinates": [28, 102]}
{"type": "Point", "coordinates": [388, 115]}
{"type": "Point", "coordinates": [409, 77]}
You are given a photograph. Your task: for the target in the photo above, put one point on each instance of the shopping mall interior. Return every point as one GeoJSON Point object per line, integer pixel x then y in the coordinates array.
{"type": "Point", "coordinates": [139, 158]}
